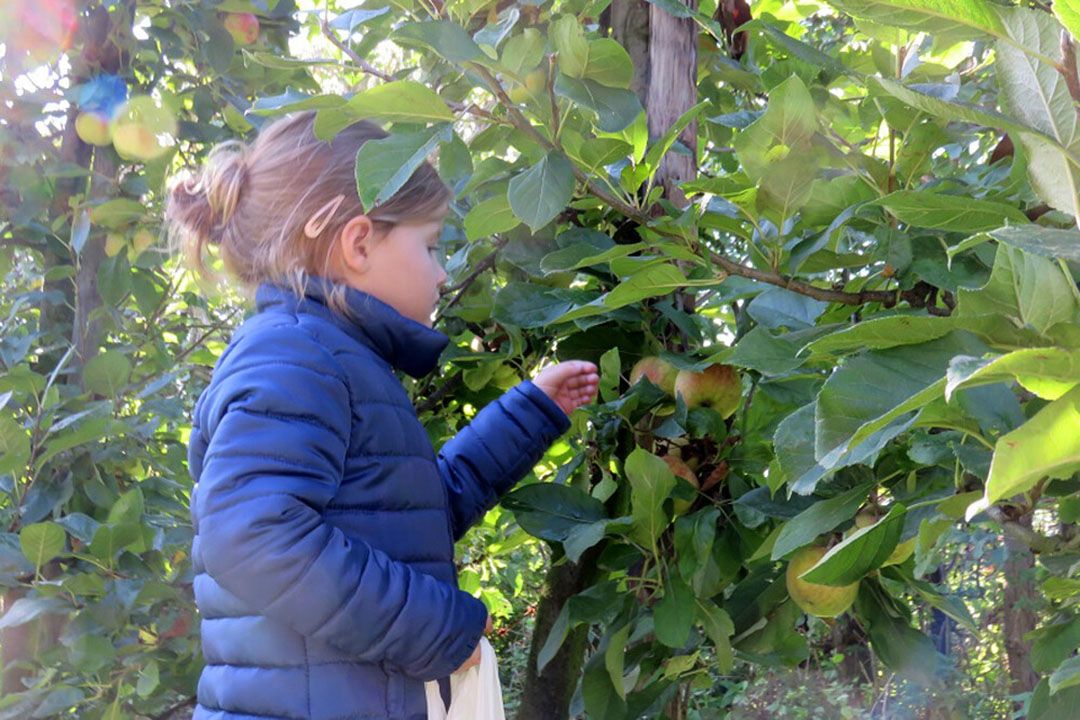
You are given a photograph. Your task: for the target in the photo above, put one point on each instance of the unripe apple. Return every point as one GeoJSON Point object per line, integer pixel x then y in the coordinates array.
{"type": "Point", "coordinates": [114, 243]}
{"type": "Point", "coordinates": [140, 241]}
{"type": "Point", "coordinates": [142, 129]}
{"type": "Point", "coordinates": [92, 128]}
{"type": "Point", "coordinates": [682, 470]}
{"type": "Point", "coordinates": [659, 372]}
{"type": "Point", "coordinates": [244, 27]}
{"type": "Point", "coordinates": [717, 387]}
{"type": "Point", "coordinates": [823, 601]}
{"type": "Point", "coordinates": [865, 518]}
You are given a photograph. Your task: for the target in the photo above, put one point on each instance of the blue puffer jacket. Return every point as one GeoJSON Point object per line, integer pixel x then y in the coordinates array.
{"type": "Point", "coordinates": [325, 522]}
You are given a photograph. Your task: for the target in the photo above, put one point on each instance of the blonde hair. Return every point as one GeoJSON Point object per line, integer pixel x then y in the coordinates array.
{"type": "Point", "coordinates": [274, 207]}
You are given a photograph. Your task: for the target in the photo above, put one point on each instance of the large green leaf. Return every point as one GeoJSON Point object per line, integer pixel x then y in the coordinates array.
{"type": "Point", "coordinates": [384, 165]}
{"type": "Point", "coordinates": [14, 445]}
{"type": "Point", "coordinates": [957, 213]}
{"type": "Point", "coordinates": [1068, 12]}
{"type": "Point", "coordinates": [445, 37]}
{"type": "Point", "coordinates": [862, 551]}
{"type": "Point", "coordinates": [673, 616]}
{"type": "Point", "coordinates": [404, 101]}
{"type": "Point", "coordinates": [551, 511]}
{"type": "Point", "coordinates": [878, 333]}
{"type": "Point", "coordinates": [1048, 242]}
{"type": "Point", "coordinates": [821, 517]}
{"type": "Point", "coordinates": [540, 193]}
{"type": "Point", "coordinates": [786, 128]}
{"type": "Point", "coordinates": [107, 373]}
{"type": "Point", "coordinates": [41, 542]}
{"type": "Point", "coordinates": [1036, 93]}
{"type": "Point", "coordinates": [491, 216]}
{"type": "Point", "coordinates": [651, 481]}
{"type": "Point", "coordinates": [1029, 289]}
{"type": "Point", "coordinates": [1048, 372]}
{"type": "Point", "coordinates": [1047, 445]}
{"type": "Point", "coordinates": [874, 389]}
{"type": "Point", "coordinates": [615, 107]}
{"type": "Point", "coordinates": [568, 38]}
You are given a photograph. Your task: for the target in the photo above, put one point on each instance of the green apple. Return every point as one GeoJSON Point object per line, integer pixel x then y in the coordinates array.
{"type": "Point", "coordinates": [824, 601]}
{"type": "Point", "coordinates": [244, 27]}
{"type": "Point", "coordinates": [92, 128]}
{"type": "Point", "coordinates": [718, 387]}
{"type": "Point", "coordinates": [659, 372]}
{"type": "Point", "coordinates": [114, 243]}
{"type": "Point", "coordinates": [143, 129]}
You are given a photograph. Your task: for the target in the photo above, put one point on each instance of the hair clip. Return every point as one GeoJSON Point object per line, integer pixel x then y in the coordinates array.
{"type": "Point", "coordinates": [321, 218]}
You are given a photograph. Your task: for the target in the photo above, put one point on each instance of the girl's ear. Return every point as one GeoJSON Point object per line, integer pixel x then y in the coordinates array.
{"type": "Point", "coordinates": [354, 243]}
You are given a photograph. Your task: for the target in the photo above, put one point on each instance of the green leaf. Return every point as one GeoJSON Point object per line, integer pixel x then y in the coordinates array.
{"type": "Point", "coordinates": [719, 627]}
{"type": "Point", "coordinates": [1067, 675]}
{"type": "Point", "coordinates": [901, 647]}
{"type": "Point", "coordinates": [26, 609]}
{"type": "Point", "coordinates": [1026, 288]}
{"type": "Point", "coordinates": [786, 128]}
{"type": "Point", "coordinates": [384, 165]}
{"type": "Point", "coordinates": [862, 551]}
{"type": "Point", "coordinates": [1056, 706]}
{"type": "Point", "coordinates": [876, 389]}
{"type": "Point", "coordinates": [523, 52]}
{"type": "Point", "coordinates": [949, 212]}
{"type": "Point", "coordinates": [610, 369]}
{"type": "Point", "coordinates": [659, 149]}
{"type": "Point", "coordinates": [615, 108]}
{"type": "Point", "coordinates": [1068, 12]}
{"type": "Point", "coordinates": [489, 217]}
{"type": "Point", "coordinates": [527, 305]}
{"type": "Point", "coordinates": [404, 101]}
{"type": "Point", "coordinates": [1052, 644]}
{"type": "Point", "coordinates": [613, 658]}
{"type": "Point", "coordinates": [148, 679]}
{"type": "Point", "coordinates": [445, 37]}
{"type": "Point", "coordinates": [551, 511]}
{"type": "Point", "coordinates": [295, 101]}
{"type": "Point", "coordinates": [958, 19]}
{"type": "Point", "coordinates": [1048, 242]}
{"type": "Point", "coordinates": [540, 193]}
{"type": "Point", "coordinates": [608, 64]}
{"type": "Point", "coordinates": [1036, 93]}
{"type": "Point", "coordinates": [568, 38]}
{"type": "Point", "coordinates": [107, 373]}
{"type": "Point", "coordinates": [352, 19]}
{"type": "Point", "coordinates": [651, 481]}
{"type": "Point", "coordinates": [117, 213]}
{"type": "Point", "coordinates": [14, 446]}
{"type": "Point", "coordinates": [793, 446]}
{"type": "Point", "coordinates": [821, 517]}
{"type": "Point", "coordinates": [128, 508]}
{"type": "Point", "coordinates": [1048, 372]}
{"type": "Point", "coordinates": [1047, 445]}
{"type": "Point", "coordinates": [41, 542]}
{"type": "Point", "coordinates": [674, 615]}
{"type": "Point", "coordinates": [883, 332]}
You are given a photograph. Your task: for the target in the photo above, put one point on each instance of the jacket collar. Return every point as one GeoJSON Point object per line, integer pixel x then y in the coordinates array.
{"type": "Point", "coordinates": [405, 344]}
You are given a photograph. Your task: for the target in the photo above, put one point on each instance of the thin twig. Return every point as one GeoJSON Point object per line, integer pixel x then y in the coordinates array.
{"type": "Point", "coordinates": [462, 287]}
{"type": "Point", "coordinates": [363, 64]}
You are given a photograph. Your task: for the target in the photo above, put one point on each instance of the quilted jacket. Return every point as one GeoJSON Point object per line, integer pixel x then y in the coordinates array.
{"type": "Point", "coordinates": [324, 520]}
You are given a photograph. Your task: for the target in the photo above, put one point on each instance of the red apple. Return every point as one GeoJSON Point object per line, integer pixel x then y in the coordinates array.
{"type": "Point", "coordinates": [244, 27]}
{"type": "Point", "coordinates": [659, 372]}
{"type": "Point", "coordinates": [718, 387]}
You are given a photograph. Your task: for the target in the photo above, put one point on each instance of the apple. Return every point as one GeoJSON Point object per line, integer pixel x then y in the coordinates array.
{"type": "Point", "coordinates": [93, 128]}
{"type": "Point", "coordinates": [682, 470]}
{"type": "Point", "coordinates": [244, 27]}
{"type": "Point", "coordinates": [140, 241]}
{"type": "Point", "coordinates": [824, 601]}
{"type": "Point", "coordinates": [718, 387]}
{"type": "Point", "coordinates": [659, 372]}
{"type": "Point", "coordinates": [139, 129]}
{"type": "Point", "coordinates": [865, 518]}
{"type": "Point", "coordinates": [114, 243]}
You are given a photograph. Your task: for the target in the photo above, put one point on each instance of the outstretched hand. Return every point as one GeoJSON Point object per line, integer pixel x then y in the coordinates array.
{"type": "Point", "coordinates": [570, 384]}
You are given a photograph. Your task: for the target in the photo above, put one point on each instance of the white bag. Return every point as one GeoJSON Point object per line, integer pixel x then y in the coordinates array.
{"type": "Point", "coordinates": [474, 694]}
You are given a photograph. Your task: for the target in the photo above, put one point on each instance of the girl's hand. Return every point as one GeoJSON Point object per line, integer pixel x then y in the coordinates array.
{"type": "Point", "coordinates": [474, 659]}
{"type": "Point", "coordinates": [570, 384]}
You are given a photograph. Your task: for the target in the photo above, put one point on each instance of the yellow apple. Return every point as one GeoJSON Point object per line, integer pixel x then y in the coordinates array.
{"type": "Point", "coordinates": [92, 128]}
{"type": "Point", "coordinates": [819, 600]}
{"type": "Point", "coordinates": [143, 129]}
{"type": "Point", "coordinates": [114, 243]}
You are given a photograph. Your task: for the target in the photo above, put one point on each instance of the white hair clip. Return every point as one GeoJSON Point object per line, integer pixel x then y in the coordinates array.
{"type": "Point", "coordinates": [321, 218]}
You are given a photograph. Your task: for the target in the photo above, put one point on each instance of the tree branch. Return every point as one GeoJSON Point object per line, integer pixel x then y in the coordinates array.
{"type": "Point", "coordinates": [350, 53]}
{"type": "Point", "coordinates": [462, 287]}
{"type": "Point", "coordinates": [917, 296]}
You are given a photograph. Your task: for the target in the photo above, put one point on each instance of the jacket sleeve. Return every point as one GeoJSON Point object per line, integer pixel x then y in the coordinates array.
{"type": "Point", "coordinates": [491, 454]}
{"type": "Point", "coordinates": [278, 426]}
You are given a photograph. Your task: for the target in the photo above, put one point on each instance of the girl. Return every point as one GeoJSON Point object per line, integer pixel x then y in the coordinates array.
{"type": "Point", "coordinates": [324, 521]}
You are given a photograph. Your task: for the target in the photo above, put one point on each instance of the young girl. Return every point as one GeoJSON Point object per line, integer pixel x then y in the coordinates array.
{"type": "Point", "coordinates": [324, 520]}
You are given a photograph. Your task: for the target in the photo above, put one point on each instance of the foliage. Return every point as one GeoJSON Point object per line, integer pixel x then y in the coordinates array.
{"type": "Point", "coordinates": [902, 312]}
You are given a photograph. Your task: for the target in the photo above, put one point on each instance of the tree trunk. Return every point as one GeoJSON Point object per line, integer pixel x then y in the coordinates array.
{"type": "Point", "coordinates": [547, 695]}
{"type": "Point", "coordinates": [1019, 615]}
{"type": "Point", "coordinates": [672, 91]}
